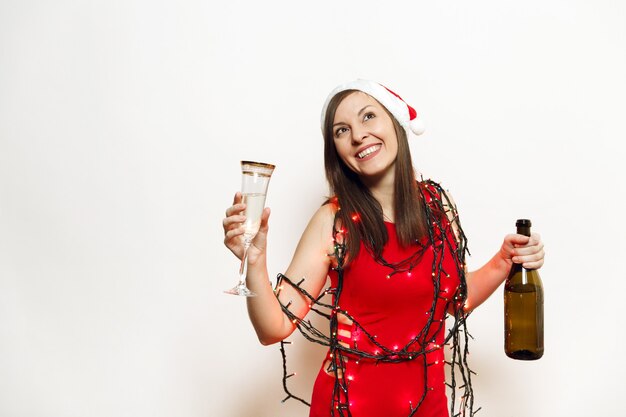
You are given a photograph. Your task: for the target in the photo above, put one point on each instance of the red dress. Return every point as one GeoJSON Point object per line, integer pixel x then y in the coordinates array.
{"type": "Point", "coordinates": [395, 310]}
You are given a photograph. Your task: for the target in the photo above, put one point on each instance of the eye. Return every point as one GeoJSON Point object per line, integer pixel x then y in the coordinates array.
{"type": "Point", "coordinates": [340, 131]}
{"type": "Point", "coordinates": [368, 116]}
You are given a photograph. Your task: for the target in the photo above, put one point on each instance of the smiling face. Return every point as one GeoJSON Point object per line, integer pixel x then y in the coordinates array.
{"type": "Point", "coordinates": [365, 137]}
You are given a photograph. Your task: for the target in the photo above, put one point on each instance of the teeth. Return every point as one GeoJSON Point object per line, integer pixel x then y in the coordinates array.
{"type": "Point", "coordinates": [368, 151]}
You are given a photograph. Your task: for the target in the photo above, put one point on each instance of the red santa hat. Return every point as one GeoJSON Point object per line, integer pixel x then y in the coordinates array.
{"type": "Point", "coordinates": [404, 114]}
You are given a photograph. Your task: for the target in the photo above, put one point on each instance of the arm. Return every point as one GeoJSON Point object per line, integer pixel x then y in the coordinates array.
{"type": "Point", "coordinates": [515, 249]}
{"type": "Point", "coordinates": [310, 261]}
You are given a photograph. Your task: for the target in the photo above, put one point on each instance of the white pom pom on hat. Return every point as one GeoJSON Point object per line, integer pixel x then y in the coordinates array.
{"type": "Point", "coordinates": [405, 114]}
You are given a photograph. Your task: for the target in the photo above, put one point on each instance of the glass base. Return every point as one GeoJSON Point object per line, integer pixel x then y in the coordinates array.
{"type": "Point", "coordinates": [241, 289]}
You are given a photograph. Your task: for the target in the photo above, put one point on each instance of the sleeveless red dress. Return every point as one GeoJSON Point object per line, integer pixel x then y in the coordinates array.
{"type": "Point", "coordinates": [395, 310]}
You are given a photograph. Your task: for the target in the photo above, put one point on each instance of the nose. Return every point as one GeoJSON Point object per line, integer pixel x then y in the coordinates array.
{"type": "Point", "coordinates": [359, 133]}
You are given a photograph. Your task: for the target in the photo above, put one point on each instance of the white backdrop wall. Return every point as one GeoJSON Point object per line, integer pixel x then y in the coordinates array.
{"type": "Point", "coordinates": [122, 124]}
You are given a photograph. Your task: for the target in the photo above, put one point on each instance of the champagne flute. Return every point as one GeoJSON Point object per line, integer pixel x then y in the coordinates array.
{"type": "Point", "coordinates": [255, 177]}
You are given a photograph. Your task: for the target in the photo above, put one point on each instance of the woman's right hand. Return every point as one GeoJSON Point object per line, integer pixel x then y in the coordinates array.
{"type": "Point", "coordinates": [233, 230]}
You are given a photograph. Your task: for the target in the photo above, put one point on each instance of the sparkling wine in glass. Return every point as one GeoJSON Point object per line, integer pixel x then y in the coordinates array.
{"type": "Point", "coordinates": [255, 177]}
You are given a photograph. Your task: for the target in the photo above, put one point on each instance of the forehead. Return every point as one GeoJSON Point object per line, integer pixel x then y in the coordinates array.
{"type": "Point", "coordinates": [353, 103]}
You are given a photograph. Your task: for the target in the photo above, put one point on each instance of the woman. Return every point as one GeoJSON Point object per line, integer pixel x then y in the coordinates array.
{"type": "Point", "coordinates": [394, 251]}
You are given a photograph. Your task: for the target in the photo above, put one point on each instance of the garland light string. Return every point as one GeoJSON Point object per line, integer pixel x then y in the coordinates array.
{"type": "Point", "coordinates": [445, 238]}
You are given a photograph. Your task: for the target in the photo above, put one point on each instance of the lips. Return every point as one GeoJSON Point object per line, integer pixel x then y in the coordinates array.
{"type": "Point", "coordinates": [368, 151]}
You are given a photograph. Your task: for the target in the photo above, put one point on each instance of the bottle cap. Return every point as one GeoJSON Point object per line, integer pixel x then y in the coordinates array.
{"type": "Point", "coordinates": [523, 223]}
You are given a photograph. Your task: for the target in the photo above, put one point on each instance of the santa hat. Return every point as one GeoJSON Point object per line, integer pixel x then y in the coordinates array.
{"type": "Point", "coordinates": [404, 114]}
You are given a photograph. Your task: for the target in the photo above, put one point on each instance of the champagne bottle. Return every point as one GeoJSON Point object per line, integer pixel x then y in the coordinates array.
{"type": "Point", "coordinates": [523, 309]}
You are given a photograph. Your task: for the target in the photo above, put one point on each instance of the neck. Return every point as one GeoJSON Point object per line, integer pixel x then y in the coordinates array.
{"type": "Point", "coordinates": [383, 190]}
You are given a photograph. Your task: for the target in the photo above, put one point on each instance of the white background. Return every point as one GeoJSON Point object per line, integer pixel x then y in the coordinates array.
{"type": "Point", "coordinates": [122, 124]}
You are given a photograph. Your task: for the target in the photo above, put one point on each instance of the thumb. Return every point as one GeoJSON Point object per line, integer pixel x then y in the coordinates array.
{"type": "Point", "coordinates": [519, 240]}
{"type": "Point", "coordinates": [265, 218]}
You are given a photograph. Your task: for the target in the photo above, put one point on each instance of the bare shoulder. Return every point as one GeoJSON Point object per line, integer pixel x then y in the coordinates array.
{"type": "Point", "coordinates": [447, 200]}
{"type": "Point", "coordinates": [325, 214]}
{"type": "Point", "coordinates": [311, 258]}
{"type": "Point", "coordinates": [452, 213]}
{"type": "Point", "coordinates": [321, 223]}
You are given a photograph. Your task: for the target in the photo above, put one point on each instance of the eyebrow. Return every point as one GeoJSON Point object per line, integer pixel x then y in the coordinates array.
{"type": "Point", "coordinates": [358, 114]}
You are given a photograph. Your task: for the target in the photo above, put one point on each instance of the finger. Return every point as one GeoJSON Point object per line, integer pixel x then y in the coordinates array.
{"type": "Point", "coordinates": [233, 233]}
{"type": "Point", "coordinates": [265, 216]}
{"type": "Point", "coordinates": [228, 222]}
{"type": "Point", "coordinates": [518, 240]}
{"type": "Point", "coordinates": [535, 237]}
{"type": "Point", "coordinates": [535, 240]}
{"type": "Point", "coordinates": [512, 241]}
{"type": "Point", "coordinates": [238, 197]}
{"type": "Point", "coordinates": [532, 258]}
{"type": "Point", "coordinates": [528, 250]}
{"type": "Point", "coordinates": [234, 209]}
{"type": "Point", "coordinates": [533, 265]}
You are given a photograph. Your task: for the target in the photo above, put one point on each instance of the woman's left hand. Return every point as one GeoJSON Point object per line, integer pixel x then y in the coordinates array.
{"type": "Point", "coordinates": [524, 250]}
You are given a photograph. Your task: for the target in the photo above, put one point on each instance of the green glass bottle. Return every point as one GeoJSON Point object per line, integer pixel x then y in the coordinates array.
{"type": "Point", "coordinates": [523, 309]}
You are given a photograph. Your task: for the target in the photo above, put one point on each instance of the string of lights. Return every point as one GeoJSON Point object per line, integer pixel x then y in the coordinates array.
{"type": "Point", "coordinates": [445, 238]}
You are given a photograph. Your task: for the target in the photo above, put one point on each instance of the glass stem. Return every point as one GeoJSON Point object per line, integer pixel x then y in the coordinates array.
{"type": "Point", "coordinates": [243, 268]}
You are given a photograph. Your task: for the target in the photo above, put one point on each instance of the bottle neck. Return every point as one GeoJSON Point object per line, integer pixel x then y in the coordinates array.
{"type": "Point", "coordinates": [523, 230]}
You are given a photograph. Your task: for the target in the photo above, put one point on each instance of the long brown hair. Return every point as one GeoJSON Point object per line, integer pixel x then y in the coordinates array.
{"type": "Point", "coordinates": [360, 214]}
